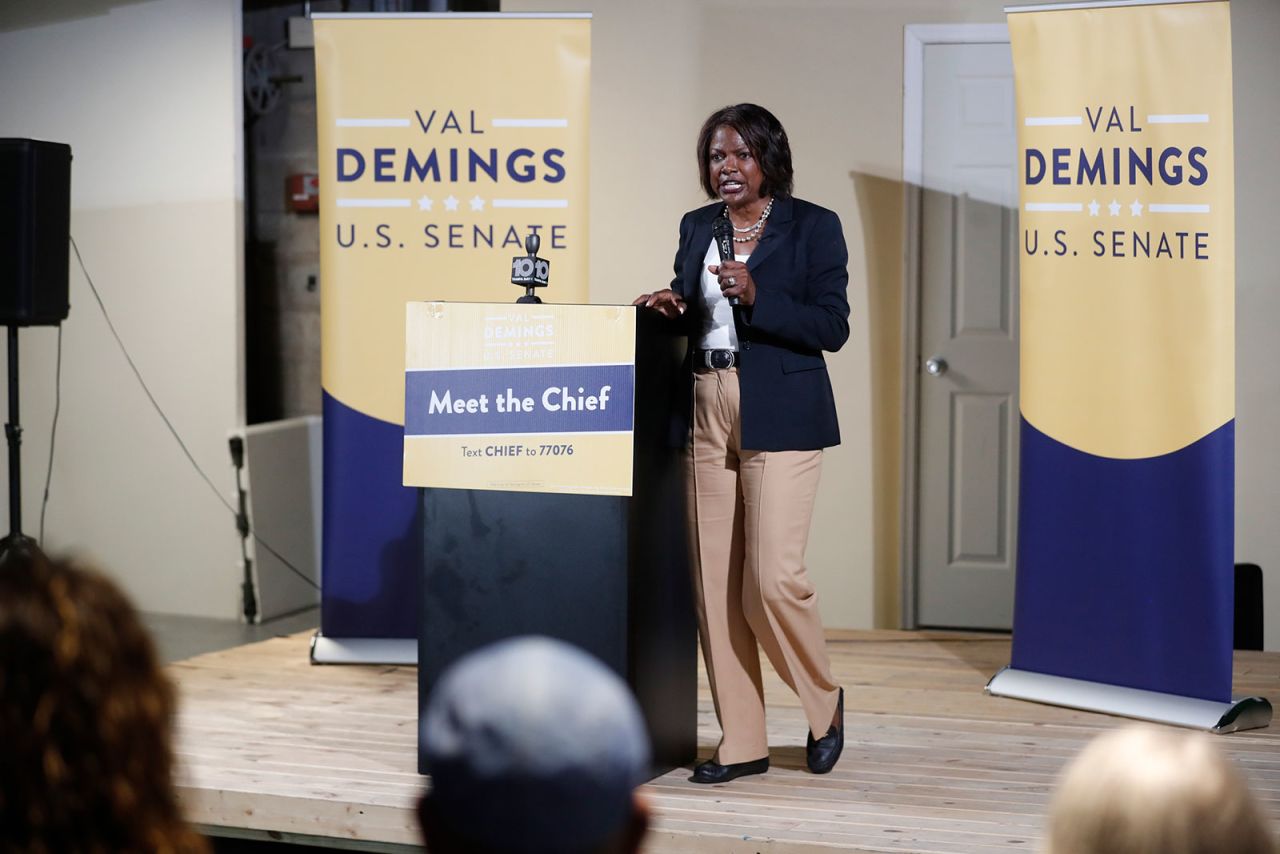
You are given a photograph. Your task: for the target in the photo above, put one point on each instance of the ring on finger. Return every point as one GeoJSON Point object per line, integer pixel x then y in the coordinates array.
{"type": "Point", "coordinates": [732, 281]}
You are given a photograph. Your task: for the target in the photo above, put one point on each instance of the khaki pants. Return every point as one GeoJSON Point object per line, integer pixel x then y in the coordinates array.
{"type": "Point", "coordinates": [749, 515]}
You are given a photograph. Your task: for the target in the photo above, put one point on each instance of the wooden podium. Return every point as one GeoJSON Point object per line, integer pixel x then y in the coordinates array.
{"type": "Point", "coordinates": [605, 572]}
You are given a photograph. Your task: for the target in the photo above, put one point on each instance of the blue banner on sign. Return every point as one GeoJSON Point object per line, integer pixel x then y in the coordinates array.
{"type": "Point", "coordinates": [551, 399]}
{"type": "Point", "coordinates": [372, 530]}
{"type": "Point", "coordinates": [1125, 566]}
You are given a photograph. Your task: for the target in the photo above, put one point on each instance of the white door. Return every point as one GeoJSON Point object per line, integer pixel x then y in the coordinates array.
{"type": "Point", "coordinates": [967, 466]}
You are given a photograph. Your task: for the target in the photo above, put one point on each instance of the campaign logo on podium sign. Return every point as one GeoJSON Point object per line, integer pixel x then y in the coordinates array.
{"type": "Point", "coordinates": [523, 398]}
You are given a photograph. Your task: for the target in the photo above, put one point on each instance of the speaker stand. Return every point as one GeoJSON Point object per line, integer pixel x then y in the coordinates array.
{"type": "Point", "coordinates": [17, 542]}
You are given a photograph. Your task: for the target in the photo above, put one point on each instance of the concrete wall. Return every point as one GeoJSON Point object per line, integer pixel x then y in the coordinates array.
{"type": "Point", "coordinates": [148, 96]}
{"type": "Point", "coordinates": [283, 265]}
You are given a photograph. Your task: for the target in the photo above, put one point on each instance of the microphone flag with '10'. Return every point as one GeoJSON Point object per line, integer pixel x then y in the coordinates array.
{"type": "Point", "coordinates": [530, 270]}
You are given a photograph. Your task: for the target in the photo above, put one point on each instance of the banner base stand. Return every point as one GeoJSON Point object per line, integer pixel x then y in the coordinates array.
{"type": "Point", "coordinates": [364, 650]}
{"type": "Point", "coordinates": [1240, 714]}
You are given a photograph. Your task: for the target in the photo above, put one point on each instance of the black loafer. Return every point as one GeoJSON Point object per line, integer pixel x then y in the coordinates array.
{"type": "Point", "coordinates": [713, 772]}
{"type": "Point", "coordinates": [822, 753]}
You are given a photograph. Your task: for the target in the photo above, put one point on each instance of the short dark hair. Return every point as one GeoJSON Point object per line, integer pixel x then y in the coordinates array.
{"type": "Point", "coordinates": [763, 134]}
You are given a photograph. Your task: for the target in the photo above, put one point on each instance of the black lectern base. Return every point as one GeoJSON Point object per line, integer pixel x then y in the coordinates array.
{"type": "Point", "coordinates": [502, 564]}
{"type": "Point", "coordinates": [608, 574]}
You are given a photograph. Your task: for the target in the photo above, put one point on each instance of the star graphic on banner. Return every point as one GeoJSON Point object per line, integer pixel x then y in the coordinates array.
{"type": "Point", "coordinates": [477, 204]}
{"type": "Point", "coordinates": [451, 204]}
{"type": "Point", "coordinates": [1093, 208]}
{"type": "Point", "coordinates": [1114, 207]}
{"type": "Point", "coordinates": [1136, 208]}
{"type": "Point", "coordinates": [424, 203]}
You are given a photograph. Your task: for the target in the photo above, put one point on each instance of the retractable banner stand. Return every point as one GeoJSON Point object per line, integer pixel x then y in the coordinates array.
{"type": "Point", "coordinates": [1125, 540]}
{"type": "Point", "coordinates": [444, 141]}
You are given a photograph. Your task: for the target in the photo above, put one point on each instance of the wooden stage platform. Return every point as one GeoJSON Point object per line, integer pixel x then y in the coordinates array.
{"type": "Point", "coordinates": [271, 745]}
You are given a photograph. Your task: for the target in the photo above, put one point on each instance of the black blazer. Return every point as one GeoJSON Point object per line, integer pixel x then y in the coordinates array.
{"type": "Point", "coordinates": [801, 309]}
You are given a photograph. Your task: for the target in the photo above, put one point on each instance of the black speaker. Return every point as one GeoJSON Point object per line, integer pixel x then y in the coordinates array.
{"type": "Point", "coordinates": [35, 221]}
{"type": "Point", "coordinates": [1248, 625]}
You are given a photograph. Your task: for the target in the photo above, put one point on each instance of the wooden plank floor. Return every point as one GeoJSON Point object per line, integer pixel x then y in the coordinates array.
{"type": "Point", "coordinates": [268, 742]}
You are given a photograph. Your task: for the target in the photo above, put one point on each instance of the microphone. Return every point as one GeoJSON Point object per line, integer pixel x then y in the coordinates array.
{"type": "Point", "coordinates": [723, 234]}
{"type": "Point", "coordinates": [530, 270]}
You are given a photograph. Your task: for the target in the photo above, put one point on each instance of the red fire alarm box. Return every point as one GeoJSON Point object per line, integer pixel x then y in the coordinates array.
{"type": "Point", "coordinates": [302, 192]}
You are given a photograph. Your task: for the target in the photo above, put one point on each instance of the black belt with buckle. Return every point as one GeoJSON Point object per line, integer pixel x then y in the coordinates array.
{"type": "Point", "coordinates": [716, 360]}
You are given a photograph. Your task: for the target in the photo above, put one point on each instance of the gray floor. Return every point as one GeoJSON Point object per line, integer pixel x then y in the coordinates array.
{"type": "Point", "coordinates": [183, 637]}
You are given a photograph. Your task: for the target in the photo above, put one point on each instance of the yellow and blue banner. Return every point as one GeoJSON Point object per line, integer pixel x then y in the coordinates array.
{"type": "Point", "coordinates": [444, 141]}
{"type": "Point", "coordinates": [521, 398]}
{"type": "Point", "coordinates": [1125, 540]}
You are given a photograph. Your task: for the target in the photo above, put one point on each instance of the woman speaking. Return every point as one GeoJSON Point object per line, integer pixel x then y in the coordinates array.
{"type": "Point", "coordinates": [762, 411]}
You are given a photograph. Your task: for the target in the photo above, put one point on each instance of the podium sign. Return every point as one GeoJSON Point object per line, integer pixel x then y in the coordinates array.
{"type": "Point", "coordinates": [520, 398]}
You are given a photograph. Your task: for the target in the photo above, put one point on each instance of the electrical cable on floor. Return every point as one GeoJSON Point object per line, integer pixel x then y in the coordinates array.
{"type": "Point", "coordinates": [168, 423]}
{"type": "Point", "coordinates": [53, 431]}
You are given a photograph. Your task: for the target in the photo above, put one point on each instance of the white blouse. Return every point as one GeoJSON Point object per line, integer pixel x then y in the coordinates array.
{"type": "Point", "coordinates": [718, 331]}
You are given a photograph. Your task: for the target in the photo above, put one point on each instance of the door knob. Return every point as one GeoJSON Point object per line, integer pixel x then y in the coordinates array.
{"type": "Point", "coordinates": [936, 366]}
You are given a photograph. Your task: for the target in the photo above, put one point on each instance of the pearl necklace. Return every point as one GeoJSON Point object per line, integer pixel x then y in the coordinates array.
{"type": "Point", "coordinates": [752, 231]}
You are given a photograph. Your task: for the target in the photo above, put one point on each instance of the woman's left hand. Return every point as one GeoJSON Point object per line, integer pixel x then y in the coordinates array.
{"type": "Point", "coordinates": [735, 281]}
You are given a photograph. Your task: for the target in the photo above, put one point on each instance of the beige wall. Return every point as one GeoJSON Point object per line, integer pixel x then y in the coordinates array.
{"type": "Point", "coordinates": [832, 72]}
{"type": "Point", "coordinates": [147, 95]}
{"type": "Point", "coordinates": [1255, 37]}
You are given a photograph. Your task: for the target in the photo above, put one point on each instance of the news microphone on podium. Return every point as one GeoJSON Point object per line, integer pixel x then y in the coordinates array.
{"type": "Point", "coordinates": [723, 234]}
{"type": "Point", "coordinates": [530, 271]}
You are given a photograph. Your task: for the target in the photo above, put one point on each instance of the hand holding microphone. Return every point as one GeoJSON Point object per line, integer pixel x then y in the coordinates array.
{"type": "Point", "coordinates": [735, 280]}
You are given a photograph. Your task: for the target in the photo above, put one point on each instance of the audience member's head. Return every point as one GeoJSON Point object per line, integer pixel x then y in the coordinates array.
{"type": "Point", "coordinates": [1143, 790]}
{"type": "Point", "coordinates": [533, 746]}
{"type": "Point", "coordinates": [85, 718]}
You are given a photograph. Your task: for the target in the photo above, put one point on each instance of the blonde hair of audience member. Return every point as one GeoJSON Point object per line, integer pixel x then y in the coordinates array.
{"type": "Point", "coordinates": [1143, 790]}
{"type": "Point", "coordinates": [86, 716]}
